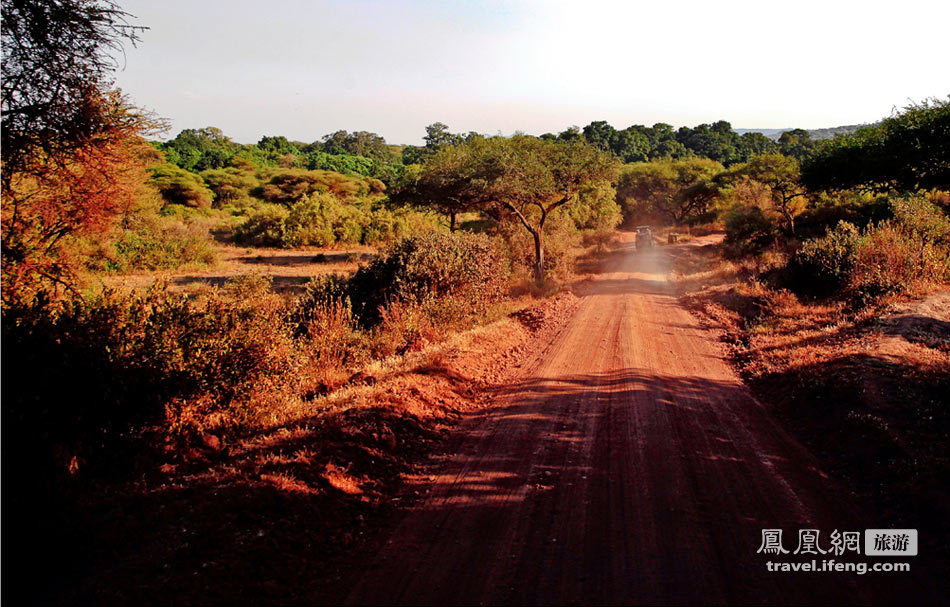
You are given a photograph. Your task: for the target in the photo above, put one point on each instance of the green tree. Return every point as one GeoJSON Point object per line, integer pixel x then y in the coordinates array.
{"type": "Point", "coordinates": [631, 145]}
{"type": "Point", "coordinates": [600, 135]}
{"type": "Point", "coordinates": [781, 175]}
{"type": "Point", "coordinates": [438, 135]}
{"type": "Point", "coordinates": [357, 143]}
{"type": "Point", "coordinates": [906, 152]}
{"type": "Point", "coordinates": [178, 186]}
{"type": "Point", "coordinates": [200, 149]}
{"type": "Point", "coordinates": [442, 184]}
{"type": "Point", "coordinates": [715, 141]}
{"type": "Point", "coordinates": [796, 143]}
{"type": "Point", "coordinates": [667, 188]}
{"type": "Point", "coordinates": [230, 185]}
{"type": "Point", "coordinates": [530, 178]}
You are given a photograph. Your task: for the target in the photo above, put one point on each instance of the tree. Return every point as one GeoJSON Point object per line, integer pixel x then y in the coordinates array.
{"type": "Point", "coordinates": [200, 149]}
{"type": "Point", "coordinates": [780, 174]}
{"type": "Point", "coordinates": [56, 60]}
{"type": "Point", "coordinates": [796, 143]}
{"type": "Point", "coordinates": [178, 186]}
{"type": "Point", "coordinates": [357, 143]}
{"type": "Point", "coordinates": [530, 178]}
{"type": "Point", "coordinates": [442, 184]}
{"type": "Point", "coordinates": [668, 188]}
{"type": "Point", "coordinates": [716, 141]}
{"type": "Point", "coordinates": [906, 152]}
{"type": "Point", "coordinates": [72, 149]}
{"type": "Point", "coordinates": [753, 144]}
{"type": "Point", "coordinates": [631, 145]}
{"type": "Point", "coordinates": [438, 135]}
{"type": "Point", "coordinates": [277, 144]}
{"type": "Point", "coordinates": [600, 135]}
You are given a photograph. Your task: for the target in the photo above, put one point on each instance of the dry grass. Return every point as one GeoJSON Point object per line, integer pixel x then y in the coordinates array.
{"type": "Point", "coordinates": [289, 269]}
{"type": "Point", "coordinates": [864, 388]}
{"type": "Point", "coordinates": [283, 508]}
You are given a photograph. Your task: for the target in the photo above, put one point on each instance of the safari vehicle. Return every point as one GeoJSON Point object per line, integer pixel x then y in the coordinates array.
{"type": "Point", "coordinates": [644, 237]}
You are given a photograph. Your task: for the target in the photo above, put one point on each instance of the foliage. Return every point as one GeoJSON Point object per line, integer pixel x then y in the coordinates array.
{"type": "Point", "coordinates": [358, 143]}
{"type": "Point", "coordinates": [906, 152]}
{"type": "Point", "coordinates": [748, 231]}
{"type": "Point", "coordinates": [230, 185]}
{"type": "Point", "coordinates": [72, 157]}
{"type": "Point", "coordinates": [824, 265]}
{"type": "Point", "coordinates": [57, 57]}
{"type": "Point", "coordinates": [323, 220]}
{"type": "Point", "coordinates": [442, 184]}
{"type": "Point", "coordinates": [903, 255]}
{"type": "Point", "coordinates": [264, 227]}
{"type": "Point", "coordinates": [292, 185]}
{"type": "Point", "coordinates": [123, 362]}
{"type": "Point", "coordinates": [46, 211]}
{"type": "Point", "coordinates": [780, 175]}
{"type": "Point", "coordinates": [430, 267]}
{"type": "Point", "coordinates": [143, 239]}
{"type": "Point", "coordinates": [797, 144]}
{"type": "Point", "coordinates": [522, 178]}
{"type": "Point", "coordinates": [666, 188]}
{"type": "Point", "coordinates": [178, 186]}
{"type": "Point", "coordinates": [200, 149]}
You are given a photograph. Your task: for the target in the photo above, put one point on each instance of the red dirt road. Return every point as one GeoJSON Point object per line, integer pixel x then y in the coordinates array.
{"type": "Point", "coordinates": [629, 465]}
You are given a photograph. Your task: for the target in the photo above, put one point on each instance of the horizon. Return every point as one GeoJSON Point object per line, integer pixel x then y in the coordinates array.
{"type": "Point", "coordinates": [303, 70]}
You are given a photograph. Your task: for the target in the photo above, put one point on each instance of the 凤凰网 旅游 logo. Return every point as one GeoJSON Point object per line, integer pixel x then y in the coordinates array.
{"type": "Point", "coordinates": [877, 542]}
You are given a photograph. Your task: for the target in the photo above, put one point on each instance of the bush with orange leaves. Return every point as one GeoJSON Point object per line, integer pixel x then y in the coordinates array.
{"type": "Point", "coordinates": [54, 199]}
{"type": "Point", "coordinates": [906, 255]}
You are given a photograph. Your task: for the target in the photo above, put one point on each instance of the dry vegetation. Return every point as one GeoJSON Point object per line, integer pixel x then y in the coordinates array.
{"type": "Point", "coordinates": [286, 507]}
{"type": "Point", "coordinates": [244, 432]}
{"type": "Point", "coordinates": [864, 386]}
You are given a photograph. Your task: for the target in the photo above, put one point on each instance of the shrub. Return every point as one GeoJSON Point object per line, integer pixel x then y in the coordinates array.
{"type": "Point", "coordinates": [906, 254]}
{"type": "Point", "coordinates": [922, 218]}
{"type": "Point", "coordinates": [178, 186]}
{"type": "Point", "coordinates": [292, 185]}
{"type": "Point", "coordinates": [323, 220]}
{"type": "Point", "coordinates": [560, 236]}
{"type": "Point", "coordinates": [823, 265]}
{"type": "Point", "coordinates": [892, 258]}
{"type": "Point", "coordinates": [126, 362]}
{"type": "Point", "coordinates": [264, 227]}
{"type": "Point", "coordinates": [748, 231]}
{"type": "Point", "coordinates": [152, 242]}
{"type": "Point", "coordinates": [419, 268]}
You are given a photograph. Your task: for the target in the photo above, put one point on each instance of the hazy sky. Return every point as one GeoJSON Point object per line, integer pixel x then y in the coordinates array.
{"type": "Point", "coordinates": [307, 68]}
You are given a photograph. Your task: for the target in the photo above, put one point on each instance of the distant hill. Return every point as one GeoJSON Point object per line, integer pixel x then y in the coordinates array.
{"type": "Point", "coordinates": [770, 133]}
{"type": "Point", "coordinates": [827, 133]}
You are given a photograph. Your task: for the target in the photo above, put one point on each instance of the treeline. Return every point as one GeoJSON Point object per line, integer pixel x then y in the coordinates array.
{"type": "Point", "coordinates": [367, 154]}
{"type": "Point", "coordinates": [864, 216]}
{"type": "Point", "coordinates": [716, 141]}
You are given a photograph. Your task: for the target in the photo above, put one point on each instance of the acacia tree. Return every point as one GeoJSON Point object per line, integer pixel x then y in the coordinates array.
{"type": "Point", "coordinates": [672, 189]}
{"type": "Point", "coordinates": [443, 184]}
{"type": "Point", "coordinates": [780, 174]}
{"type": "Point", "coordinates": [71, 146]}
{"type": "Point", "coordinates": [531, 178]}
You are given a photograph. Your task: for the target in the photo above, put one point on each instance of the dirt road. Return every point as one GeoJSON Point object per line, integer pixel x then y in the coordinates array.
{"type": "Point", "coordinates": [629, 465]}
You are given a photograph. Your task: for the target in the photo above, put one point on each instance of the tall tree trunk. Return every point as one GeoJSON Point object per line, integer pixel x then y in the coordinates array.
{"type": "Point", "coordinates": [538, 256]}
{"type": "Point", "coordinates": [452, 225]}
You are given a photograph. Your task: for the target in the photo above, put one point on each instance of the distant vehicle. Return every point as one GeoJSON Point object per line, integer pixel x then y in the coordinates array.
{"type": "Point", "coordinates": [644, 237]}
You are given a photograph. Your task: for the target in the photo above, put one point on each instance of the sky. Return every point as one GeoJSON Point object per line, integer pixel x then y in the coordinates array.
{"type": "Point", "coordinates": [303, 69]}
